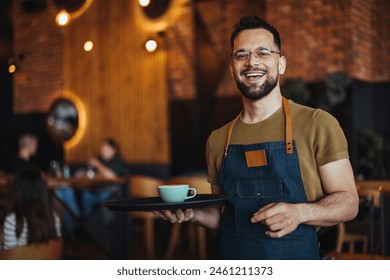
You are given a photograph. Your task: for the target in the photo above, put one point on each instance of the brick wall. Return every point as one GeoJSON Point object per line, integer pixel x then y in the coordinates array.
{"type": "Point", "coordinates": [319, 37]}
{"type": "Point", "coordinates": [323, 36]}
{"type": "Point", "coordinates": [381, 48]}
{"type": "Point", "coordinates": [315, 37]}
{"type": "Point", "coordinates": [180, 54]}
{"type": "Point", "coordinates": [38, 80]}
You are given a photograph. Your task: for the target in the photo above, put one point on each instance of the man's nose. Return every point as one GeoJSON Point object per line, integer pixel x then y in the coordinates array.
{"type": "Point", "coordinates": [253, 59]}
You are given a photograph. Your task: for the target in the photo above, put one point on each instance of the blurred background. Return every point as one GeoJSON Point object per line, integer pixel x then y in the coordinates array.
{"type": "Point", "coordinates": [162, 105]}
{"type": "Point", "coordinates": [154, 75]}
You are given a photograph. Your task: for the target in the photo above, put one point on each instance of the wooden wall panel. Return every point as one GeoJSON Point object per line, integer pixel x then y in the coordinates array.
{"type": "Point", "coordinates": [123, 88]}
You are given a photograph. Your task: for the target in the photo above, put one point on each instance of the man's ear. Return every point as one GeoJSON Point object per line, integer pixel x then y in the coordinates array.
{"type": "Point", "coordinates": [231, 69]}
{"type": "Point", "coordinates": [282, 65]}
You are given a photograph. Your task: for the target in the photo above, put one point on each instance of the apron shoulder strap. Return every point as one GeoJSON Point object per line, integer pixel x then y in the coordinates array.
{"type": "Point", "coordinates": [288, 136]}
{"type": "Point", "coordinates": [229, 134]}
{"type": "Point", "coordinates": [287, 114]}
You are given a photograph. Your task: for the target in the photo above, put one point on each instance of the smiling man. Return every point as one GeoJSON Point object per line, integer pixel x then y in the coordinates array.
{"type": "Point", "coordinates": [284, 166]}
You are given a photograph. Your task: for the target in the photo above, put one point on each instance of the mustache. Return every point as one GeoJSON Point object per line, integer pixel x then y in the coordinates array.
{"type": "Point", "coordinates": [253, 69]}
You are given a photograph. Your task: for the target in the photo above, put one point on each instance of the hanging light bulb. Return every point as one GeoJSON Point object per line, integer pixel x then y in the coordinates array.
{"type": "Point", "coordinates": [88, 45]}
{"type": "Point", "coordinates": [62, 18]}
{"type": "Point", "coordinates": [151, 45]}
{"type": "Point", "coordinates": [144, 3]}
{"type": "Point", "coordinates": [12, 68]}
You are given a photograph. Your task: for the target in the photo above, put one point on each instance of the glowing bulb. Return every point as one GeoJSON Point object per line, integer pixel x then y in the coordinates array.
{"type": "Point", "coordinates": [62, 18]}
{"type": "Point", "coordinates": [88, 46]}
{"type": "Point", "coordinates": [12, 68]}
{"type": "Point", "coordinates": [144, 3]}
{"type": "Point", "coordinates": [151, 45]}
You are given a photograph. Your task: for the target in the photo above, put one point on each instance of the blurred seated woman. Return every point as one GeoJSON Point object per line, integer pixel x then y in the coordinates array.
{"type": "Point", "coordinates": [30, 218]}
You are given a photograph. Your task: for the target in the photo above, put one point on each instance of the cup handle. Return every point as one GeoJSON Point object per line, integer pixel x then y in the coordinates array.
{"type": "Point", "coordinates": [192, 195]}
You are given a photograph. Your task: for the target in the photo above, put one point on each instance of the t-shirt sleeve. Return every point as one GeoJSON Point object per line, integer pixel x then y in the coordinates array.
{"type": "Point", "coordinates": [212, 170]}
{"type": "Point", "coordinates": [10, 239]}
{"type": "Point", "coordinates": [330, 143]}
{"type": "Point", "coordinates": [57, 221]}
{"type": "Point", "coordinates": [118, 166]}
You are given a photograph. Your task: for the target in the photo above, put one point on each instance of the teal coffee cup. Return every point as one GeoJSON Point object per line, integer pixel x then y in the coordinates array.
{"type": "Point", "coordinates": [175, 193]}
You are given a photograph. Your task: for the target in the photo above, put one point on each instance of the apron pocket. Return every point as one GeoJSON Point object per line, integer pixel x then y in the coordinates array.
{"type": "Point", "coordinates": [253, 195]}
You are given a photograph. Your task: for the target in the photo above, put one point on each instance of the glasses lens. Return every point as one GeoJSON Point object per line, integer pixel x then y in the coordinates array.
{"type": "Point", "coordinates": [263, 52]}
{"type": "Point", "coordinates": [241, 55]}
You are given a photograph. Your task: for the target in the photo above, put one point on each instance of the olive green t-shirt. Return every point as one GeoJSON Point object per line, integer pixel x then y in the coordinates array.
{"type": "Point", "coordinates": [318, 137]}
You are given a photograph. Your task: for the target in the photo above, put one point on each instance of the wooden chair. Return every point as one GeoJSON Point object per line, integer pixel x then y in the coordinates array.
{"type": "Point", "coordinates": [144, 186]}
{"type": "Point", "coordinates": [350, 238]}
{"type": "Point", "coordinates": [197, 234]}
{"type": "Point", "coordinates": [50, 251]}
{"type": "Point", "coordinates": [347, 236]}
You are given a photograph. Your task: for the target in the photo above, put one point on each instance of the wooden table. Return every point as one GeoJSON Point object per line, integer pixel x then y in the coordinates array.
{"type": "Point", "coordinates": [81, 183]}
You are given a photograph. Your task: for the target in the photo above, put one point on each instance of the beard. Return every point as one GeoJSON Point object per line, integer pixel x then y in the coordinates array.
{"type": "Point", "coordinates": [256, 92]}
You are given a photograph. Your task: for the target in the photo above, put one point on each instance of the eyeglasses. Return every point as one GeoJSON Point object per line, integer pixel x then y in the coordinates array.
{"type": "Point", "coordinates": [242, 55]}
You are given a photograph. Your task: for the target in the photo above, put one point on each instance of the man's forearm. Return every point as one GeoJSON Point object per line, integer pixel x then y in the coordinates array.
{"type": "Point", "coordinates": [332, 209]}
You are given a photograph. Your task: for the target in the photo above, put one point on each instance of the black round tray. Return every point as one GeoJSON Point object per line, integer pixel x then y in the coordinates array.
{"type": "Point", "coordinates": [156, 204]}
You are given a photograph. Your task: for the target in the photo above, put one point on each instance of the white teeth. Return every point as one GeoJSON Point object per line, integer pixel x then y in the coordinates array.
{"type": "Point", "coordinates": [250, 75]}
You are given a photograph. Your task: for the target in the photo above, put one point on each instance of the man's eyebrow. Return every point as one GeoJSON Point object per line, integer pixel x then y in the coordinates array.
{"type": "Point", "coordinates": [263, 48]}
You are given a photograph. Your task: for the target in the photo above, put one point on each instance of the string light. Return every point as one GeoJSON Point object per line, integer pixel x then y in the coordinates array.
{"type": "Point", "coordinates": [62, 18]}
{"type": "Point", "coordinates": [144, 3]}
{"type": "Point", "coordinates": [151, 45]}
{"type": "Point", "coordinates": [88, 45]}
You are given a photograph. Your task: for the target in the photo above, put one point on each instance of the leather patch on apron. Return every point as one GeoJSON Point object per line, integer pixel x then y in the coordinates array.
{"type": "Point", "coordinates": [256, 158]}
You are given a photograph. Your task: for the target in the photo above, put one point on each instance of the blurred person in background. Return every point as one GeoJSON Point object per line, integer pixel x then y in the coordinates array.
{"type": "Point", "coordinates": [107, 164]}
{"type": "Point", "coordinates": [28, 146]}
{"type": "Point", "coordinates": [29, 217]}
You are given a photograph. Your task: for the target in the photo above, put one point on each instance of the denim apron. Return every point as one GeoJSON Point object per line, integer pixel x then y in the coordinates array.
{"type": "Point", "coordinates": [253, 176]}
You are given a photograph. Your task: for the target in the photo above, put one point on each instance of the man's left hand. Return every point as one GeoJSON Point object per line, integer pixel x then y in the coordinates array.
{"type": "Point", "coordinates": [280, 218]}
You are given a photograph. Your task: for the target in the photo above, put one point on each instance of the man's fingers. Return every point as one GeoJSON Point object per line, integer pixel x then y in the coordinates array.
{"type": "Point", "coordinates": [264, 213]}
{"type": "Point", "coordinates": [159, 215]}
{"type": "Point", "coordinates": [170, 216]}
{"type": "Point", "coordinates": [179, 216]}
{"type": "Point", "coordinates": [276, 227]}
{"type": "Point", "coordinates": [175, 217]}
{"type": "Point", "coordinates": [189, 214]}
{"type": "Point", "coordinates": [276, 219]}
{"type": "Point", "coordinates": [277, 234]}
{"type": "Point", "coordinates": [265, 208]}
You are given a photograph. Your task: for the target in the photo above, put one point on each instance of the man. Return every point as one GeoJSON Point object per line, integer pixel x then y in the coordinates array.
{"type": "Point", "coordinates": [28, 146]}
{"type": "Point", "coordinates": [284, 166]}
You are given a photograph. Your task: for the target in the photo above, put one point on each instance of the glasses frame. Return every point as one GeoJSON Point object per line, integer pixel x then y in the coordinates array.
{"type": "Point", "coordinates": [250, 53]}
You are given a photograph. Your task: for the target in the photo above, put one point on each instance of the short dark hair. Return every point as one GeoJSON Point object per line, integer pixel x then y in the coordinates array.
{"type": "Point", "coordinates": [112, 143]}
{"type": "Point", "coordinates": [254, 22]}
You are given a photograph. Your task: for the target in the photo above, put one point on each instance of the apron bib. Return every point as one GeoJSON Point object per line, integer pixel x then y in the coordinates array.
{"type": "Point", "coordinates": [253, 176]}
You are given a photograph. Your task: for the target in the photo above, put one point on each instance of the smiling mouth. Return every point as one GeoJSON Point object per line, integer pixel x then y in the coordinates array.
{"type": "Point", "coordinates": [254, 75]}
